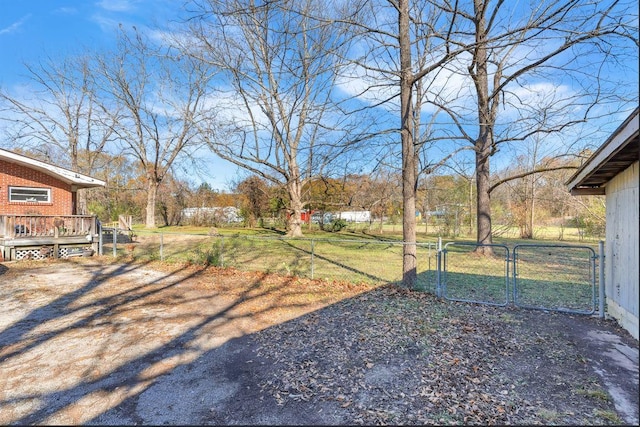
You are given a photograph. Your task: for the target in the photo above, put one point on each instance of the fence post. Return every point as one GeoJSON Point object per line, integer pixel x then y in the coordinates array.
{"type": "Point", "coordinates": [429, 267]}
{"type": "Point", "coordinates": [100, 242]}
{"type": "Point", "coordinates": [221, 251]}
{"type": "Point", "coordinates": [312, 253]}
{"type": "Point", "coordinates": [115, 241]}
{"type": "Point", "coordinates": [439, 268]}
{"type": "Point", "coordinates": [514, 274]}
{"type": "Point", "coordinates": [161, 247]}
{"type": "Point", "coordinates": [601, 293]}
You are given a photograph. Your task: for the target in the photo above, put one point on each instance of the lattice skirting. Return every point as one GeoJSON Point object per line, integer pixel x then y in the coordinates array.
{"type": "Point", "coordinates": [47, 252]}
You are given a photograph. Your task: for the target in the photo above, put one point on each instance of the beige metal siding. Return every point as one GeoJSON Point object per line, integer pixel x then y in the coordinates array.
{"type": "Point", "coordinates": [622, 255]}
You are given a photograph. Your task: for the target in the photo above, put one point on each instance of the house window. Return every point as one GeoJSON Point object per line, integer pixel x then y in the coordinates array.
{"type": "Point", "coordinates": [30, 195]}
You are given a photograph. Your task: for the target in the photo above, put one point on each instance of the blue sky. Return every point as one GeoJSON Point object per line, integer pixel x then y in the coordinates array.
{"type": "Point", "coordinates": [30, 29]}
{"type": "Point", "coordinates": [33, 29]}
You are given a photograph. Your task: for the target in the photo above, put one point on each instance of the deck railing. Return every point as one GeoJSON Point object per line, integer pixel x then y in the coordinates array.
{"type": "Point", "coordinates": [33, 226]}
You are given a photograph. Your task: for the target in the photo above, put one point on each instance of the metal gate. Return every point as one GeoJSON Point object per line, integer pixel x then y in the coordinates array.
{"type": "Point", "coordinates": [471, 276]}
{"type": "Point", "coordinates": [545, 277]}
{"type": "Point", "coordinates": [555, 277]}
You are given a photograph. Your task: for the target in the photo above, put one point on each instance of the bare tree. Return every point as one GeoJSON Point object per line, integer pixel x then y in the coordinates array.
{"type": "Point", "coordinates": [162, 99]}
{"type": "Point", "coordinates": [522, 63]}
{"type": "Point", "coordinates": [279, 117]}
{"type": "Point", "coordinates": [403, 45]}
{"type": "Point", "coordinates": [61, 116]}
{"type": "Point", "coordinates": [381, 192]}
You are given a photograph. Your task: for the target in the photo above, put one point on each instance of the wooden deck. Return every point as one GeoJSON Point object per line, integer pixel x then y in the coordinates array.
{"type": "Point", "coordinates": [44, 236]}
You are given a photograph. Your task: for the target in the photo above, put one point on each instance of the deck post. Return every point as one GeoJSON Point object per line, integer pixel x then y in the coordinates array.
{"type": "Point", "coordinates": [601, 280]}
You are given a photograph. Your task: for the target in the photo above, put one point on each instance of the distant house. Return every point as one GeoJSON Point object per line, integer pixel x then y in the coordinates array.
{"type": "Point", "coordinates": [38, 210]}
{"type": "Point", "coordinates": [227, 214]}
{"type": "Point", "coordinates": [354, 216]}
{"type": "Point", "coordinates": [613, 171]}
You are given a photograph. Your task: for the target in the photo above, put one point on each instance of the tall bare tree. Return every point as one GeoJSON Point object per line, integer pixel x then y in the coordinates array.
{"type": "Point", "coordinates": [162, 99]}
{"type": "Point", "coordinates": [402, 46]}
{"type": "Point", "coordinates": [59, 115]}
{"type": "Point", "coordinates": [279, 116]}
{"type": "Point", "coordinates": [563, 57]}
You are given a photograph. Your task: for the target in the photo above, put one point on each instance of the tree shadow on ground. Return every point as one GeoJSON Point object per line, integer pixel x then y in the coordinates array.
{"type": "Point", "coordinates": [225, 347]}
{"type": "Point", "coordinates": [111, 337]}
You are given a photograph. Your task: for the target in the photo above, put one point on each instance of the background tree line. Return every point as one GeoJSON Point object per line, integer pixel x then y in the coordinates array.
{"type": "Point", "coordinates": [445, 201]}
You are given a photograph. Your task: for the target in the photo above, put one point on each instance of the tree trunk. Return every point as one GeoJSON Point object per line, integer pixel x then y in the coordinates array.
{"type": "Point", "coordinates": [533, 206]}
{"type": "Point", "coordinates": [81, 202]}
{"type": "Point", "coordinates": [470, 207]}
{"type": "Point", "coordinates": [483, 199]}
{"type": "Point", "coordinates": [152, 191]}
{"type": "Point", "coordinates": [409, 259]}
{"type": "Point", "coordinates": [426, 223]}
{"type": "Point", "coordinates": [409, 164]}
{"type": "Point", "coordinates": [484, 143]}
{"type": "Point", "coordinates": [294, 222]}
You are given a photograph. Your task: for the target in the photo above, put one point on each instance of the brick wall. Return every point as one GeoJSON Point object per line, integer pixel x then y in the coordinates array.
{"type": "Point", "coordinates": [12, 174]}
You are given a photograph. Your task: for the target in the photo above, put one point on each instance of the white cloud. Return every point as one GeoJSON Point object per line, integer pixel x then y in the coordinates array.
{"type": "Point", "coordinates": [134, 13]}
{"type": "Point", "coordinates": [117, 5]}
{"type": "Point", "coordinates": [105, 23]}
{"type": "Point", "coordinates": [15, 26]}
{"type": "Point", "coordinates": [446, 85]}
{"type": "Point", "coordinates": [170, 37]}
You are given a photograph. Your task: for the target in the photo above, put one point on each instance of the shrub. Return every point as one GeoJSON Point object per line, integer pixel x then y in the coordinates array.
{"type": "Point", "coordinates": [337, 224]}
{"type": "Point", "coordinates": [205, 257]}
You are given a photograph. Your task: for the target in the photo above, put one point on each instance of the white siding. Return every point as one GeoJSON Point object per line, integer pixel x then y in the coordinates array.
{"type": "Point", "coordinates": [621, 253]}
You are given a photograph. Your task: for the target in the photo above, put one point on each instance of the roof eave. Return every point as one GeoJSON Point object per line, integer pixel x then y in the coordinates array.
{"type": "Point", "coordinates": [65, 175]}
{"type": "Point", "coordinates": [624, 135]}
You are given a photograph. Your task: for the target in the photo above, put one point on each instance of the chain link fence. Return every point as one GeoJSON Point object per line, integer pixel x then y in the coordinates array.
{"type": "Point", "coordinates": [548, 277]}
{"type": "Point", "coordinates": [371, 261]}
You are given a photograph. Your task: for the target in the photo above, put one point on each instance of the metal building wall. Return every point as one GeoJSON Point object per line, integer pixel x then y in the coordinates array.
{"type": "Point", "coordinates": [621, 250]}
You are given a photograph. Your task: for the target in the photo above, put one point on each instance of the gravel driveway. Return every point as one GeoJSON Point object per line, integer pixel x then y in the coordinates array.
{"type": "Point", "coordinates": [86, 342]}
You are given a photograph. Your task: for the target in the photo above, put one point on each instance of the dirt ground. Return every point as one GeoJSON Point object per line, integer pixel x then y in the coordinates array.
{"type": "Point", "coordinates": [84, 341]}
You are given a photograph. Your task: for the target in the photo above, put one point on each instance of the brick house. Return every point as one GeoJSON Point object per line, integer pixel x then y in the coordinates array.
{"type": "Point", "coordinates": [38, 217]}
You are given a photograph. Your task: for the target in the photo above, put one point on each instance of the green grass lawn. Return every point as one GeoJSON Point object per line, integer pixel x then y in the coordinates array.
{"type": "Point", "coordinates": [546, 275]}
